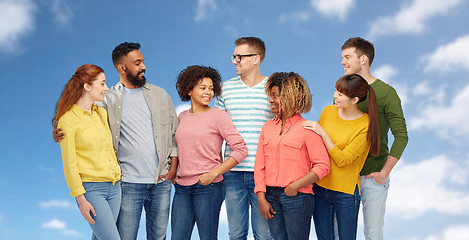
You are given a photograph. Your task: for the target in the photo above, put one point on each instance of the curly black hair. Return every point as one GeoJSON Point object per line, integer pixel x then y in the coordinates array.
{"type": "Point", "coordinates": [122, 50]}
{"type": "Point", "coordinates": [192, 75]}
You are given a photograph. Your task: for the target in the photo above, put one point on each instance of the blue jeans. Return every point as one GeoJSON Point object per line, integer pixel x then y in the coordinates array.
{"type": "Point", "coordinates": [155, 198]}
{"type": "Point", "coordinates": [293, 217]}
{"type": "Point", "coordinates": [239, 188]}
{"type": "Point", "coordinates": [345, 206]}
{"type": "Point", "coordinates": [105, 199]}
{"type": "Point", "coordinates": [374, 197]}
{"type": "Point", "coordinates": [196, 204]}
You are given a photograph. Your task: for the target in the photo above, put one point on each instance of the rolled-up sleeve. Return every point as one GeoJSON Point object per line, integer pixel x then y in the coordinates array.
{"type": "Point", "coordinates": [318, 154]}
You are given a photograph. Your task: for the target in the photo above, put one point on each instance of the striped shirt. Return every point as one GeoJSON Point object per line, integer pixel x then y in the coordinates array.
{"type": "Point", "coordinates": [249, 109]}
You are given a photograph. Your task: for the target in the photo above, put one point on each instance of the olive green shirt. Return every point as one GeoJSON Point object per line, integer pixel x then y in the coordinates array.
{"type": "Point", "coordinates": [390, 116]}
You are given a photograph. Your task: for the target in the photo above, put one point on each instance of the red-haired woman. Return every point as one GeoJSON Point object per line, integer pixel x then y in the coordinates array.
{"type": "Point", "coordinates": [90, 164]}
{"type": "Point", "coordinates": [348, 135]}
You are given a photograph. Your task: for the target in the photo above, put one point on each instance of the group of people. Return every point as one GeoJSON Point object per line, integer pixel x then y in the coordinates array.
{"type": "Point", "coordinates": [123, 148]}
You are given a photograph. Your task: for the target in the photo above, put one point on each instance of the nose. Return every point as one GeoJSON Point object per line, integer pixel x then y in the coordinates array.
{"type": "Point", "coordinates": [342, 62]}
{"type": "Point", "coordinates": [106, 88]}
{"type": "Point", "coordinates": [143, 66]}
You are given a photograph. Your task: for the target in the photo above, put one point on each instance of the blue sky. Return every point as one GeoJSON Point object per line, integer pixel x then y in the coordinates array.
{"type": "Point", "coordinates": [421, 49]}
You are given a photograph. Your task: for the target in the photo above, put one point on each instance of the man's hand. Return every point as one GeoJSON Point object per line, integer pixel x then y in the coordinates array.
{"type": "Point", "coordinates": [379, 177]}
{"type": "Point", "coordinates": [57, 134]}
{"type": "Point", "coordinates": [170, 176]}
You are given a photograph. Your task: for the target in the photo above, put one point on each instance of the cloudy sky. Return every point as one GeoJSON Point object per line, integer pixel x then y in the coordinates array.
{"type": "Point", "coordinates": [421, 49]}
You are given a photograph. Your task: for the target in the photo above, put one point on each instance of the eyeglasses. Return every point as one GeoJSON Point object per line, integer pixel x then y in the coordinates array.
{"type": "Point", "coordinates": [237, 58]}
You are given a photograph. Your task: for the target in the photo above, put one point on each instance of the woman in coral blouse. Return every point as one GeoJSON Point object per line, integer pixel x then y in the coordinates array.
{"type": "Point", "coordinates": [348, 134]}
{"type": "Point", "coordinates": [199, 136]}
{"type": "Point", "coordinates": [289, 160]}
{"type": "Point", "coordinates": [90, 164]}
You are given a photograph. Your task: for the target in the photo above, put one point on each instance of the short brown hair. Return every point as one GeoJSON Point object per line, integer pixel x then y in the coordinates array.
{"type": "Point", "coordinates": [253, 42]}
{"type": "Point", "coordinates": [192, 75]}
{"type": "Point", "coordinates": [362, 47]}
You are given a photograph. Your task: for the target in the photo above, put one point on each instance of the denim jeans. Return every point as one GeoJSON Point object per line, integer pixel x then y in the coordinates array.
{"type": "Point", "coordinates": [155, 198]}
{"type": "Point", "coordinates": [374, 197]}
{"type": "Point", "coordinates": [330, 203]}
{"type": "Point", "coordinates": [240, 196]}
{"type": "Point", "coordinates": [105, 199]}
{"type": "Point", "coordinates": [196, 204]}
{"type": "Point", "coordinates": [293, 217]}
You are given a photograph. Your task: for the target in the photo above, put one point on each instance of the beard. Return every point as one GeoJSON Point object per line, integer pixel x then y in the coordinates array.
{"type": "Point", "coordinates": [135, 80]}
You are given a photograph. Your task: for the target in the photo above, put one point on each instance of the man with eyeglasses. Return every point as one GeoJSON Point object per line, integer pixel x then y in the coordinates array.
{"type": "Point", "coordinates": [244, 98]}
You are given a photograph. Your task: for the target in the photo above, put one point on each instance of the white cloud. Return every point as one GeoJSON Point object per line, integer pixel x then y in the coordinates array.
{"type": "Point", "coordinates": [16, 21]}
{"type": "Point", "coordinates": [333, 8]}
{"type": "Point", "coordinates": [414, 187]}
{"type": "Point", "coordinates": [62, 11]}
{"type": "Point", "coordinates": [182, 107]}
{"type": "Point", "coordinates": [448, 121]}
{"type": "Point", "coordinates": [72, 233]}
{"type": "Point", "coordinates": [204, 9]}
{"type": "Point", "coordinates": [56, 204]}
{"type": "Point", "coordinates": [460, 232]}
{"type": "Point", "coordinates": [54, 224]}
{"type": "Point", "coordinates": [411, 18]}
{"type": "Point", "coordinates": [223, 214]}
{"type": "Point", "coordinates": [386, 72]}
{"type": "Point", "coordinates": [449, 57]}
{"type": "Point", "coordinates": [423, 89]}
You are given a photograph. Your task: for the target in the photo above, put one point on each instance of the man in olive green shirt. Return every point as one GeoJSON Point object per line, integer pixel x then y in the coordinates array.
{"type": "Point", "coordinates": [357, 56]}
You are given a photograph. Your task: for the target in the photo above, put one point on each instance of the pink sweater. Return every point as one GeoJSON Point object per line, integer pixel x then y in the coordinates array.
{"type": "Point", "coordinates": [199, 138]}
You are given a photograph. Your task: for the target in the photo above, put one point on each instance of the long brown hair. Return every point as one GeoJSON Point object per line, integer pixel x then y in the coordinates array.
{"type": "Point", "coordinates": [354, 85]}
{"type": "Point", "coordinates": [73, 90]}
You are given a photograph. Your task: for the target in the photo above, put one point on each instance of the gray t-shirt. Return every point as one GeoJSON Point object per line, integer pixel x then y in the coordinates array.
{"type": "Point", "coordinates": [137, 150]}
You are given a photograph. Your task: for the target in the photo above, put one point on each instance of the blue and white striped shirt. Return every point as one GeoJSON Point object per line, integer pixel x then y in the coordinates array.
{"type": "Point", "coordinates": [249, 109]}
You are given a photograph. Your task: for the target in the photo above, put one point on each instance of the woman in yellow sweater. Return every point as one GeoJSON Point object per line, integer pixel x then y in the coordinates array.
{"type": "Point", "coordinates": [348, 135]}
{"type": "Point", "coordinates": [90, 164]}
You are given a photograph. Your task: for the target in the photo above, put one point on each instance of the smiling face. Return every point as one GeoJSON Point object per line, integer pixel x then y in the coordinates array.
{"type": "Point", "coordinates": [343, 101]}
{"type": "Point", "coordinates": [98, 88]}
{"type": "Point", "coordinates": [134, 67]}
{"type": "Point", "coordinates": [351, 61]}
{"type": "Point", "coordinates": [274, 100]}
{"type": "Point", "coordinates": [202, 93]}
{"type": "Point", "coordinates": [247, 64]}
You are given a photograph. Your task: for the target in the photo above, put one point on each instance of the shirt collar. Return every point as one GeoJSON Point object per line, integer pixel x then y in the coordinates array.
{"type": "Point", "coordinates": [120, 86]}
{"type": "Point", "coordinates": [297, 117]}
{"type": "Point", "coordinates": [80, 112]}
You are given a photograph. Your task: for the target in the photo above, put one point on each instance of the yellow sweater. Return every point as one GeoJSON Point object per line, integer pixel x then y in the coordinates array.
{"type": "Point", "coordinates": [87, 152]}
{"type": "Point", "coordinates": [350, 151]}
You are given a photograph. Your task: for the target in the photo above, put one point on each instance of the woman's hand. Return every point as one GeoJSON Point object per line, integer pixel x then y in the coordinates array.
{"type": "Point", "coordinates": [265, 208]}
{"type": "Point", "coordinates": [86, 208]}
{"type": "Point", "coordinates": [206, 178]}
{"type": "Point", "coordinates": [314, 126]}
{"type": "Point", "coordinates": [291, 190]}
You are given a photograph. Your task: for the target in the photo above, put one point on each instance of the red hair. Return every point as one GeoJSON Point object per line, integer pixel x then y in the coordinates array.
{"type": "Point", "coordinates": [73, 90]}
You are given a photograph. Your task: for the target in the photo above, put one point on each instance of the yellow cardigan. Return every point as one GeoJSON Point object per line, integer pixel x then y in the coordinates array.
{"type": "Point", "coordinates": [350, 151]}
{"type": "Point", "coordinates": [87, 151]}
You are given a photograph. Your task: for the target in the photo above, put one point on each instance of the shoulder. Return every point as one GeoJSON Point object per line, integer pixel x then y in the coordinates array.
{"type": "Point", "coordinates": [382, 88]}
{"type": "Point", "coordinates": [231, 82]}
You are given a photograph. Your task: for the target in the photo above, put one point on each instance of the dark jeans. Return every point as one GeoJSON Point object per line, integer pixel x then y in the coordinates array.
{"type": "Point", "coordinates": [346, 208]}
{"type": "Point", "coordinates": [196, 204]}
{"type": "Point", "coordinates": [293, 217]}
